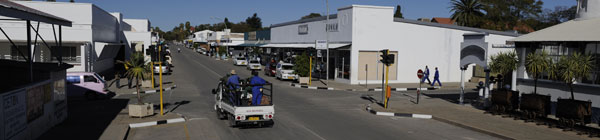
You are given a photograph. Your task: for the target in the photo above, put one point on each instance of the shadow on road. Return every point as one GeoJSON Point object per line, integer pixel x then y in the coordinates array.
{"type": "Point", "coordinates": [167, 106]}
{"type": "Point", "coordinates": [86, 119]}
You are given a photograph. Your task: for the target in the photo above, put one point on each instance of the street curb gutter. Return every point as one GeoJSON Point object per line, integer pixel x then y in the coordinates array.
{"type": "Point", "coordinates": [156, 90]}
{"type": "Point", "coordinates": [153, 123]}
{"type": "Point", "coordinates": [409, 115]}
{"type": "Point", "coordinates": [371, 89]}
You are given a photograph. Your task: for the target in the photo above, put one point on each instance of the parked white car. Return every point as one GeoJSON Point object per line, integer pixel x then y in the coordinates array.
{"type": "Point", "coordinates": [240, 61]}
{"type": "Point", "coordinates": [285, 72]}
{"type": "Point", "coordinates": [254, 65]}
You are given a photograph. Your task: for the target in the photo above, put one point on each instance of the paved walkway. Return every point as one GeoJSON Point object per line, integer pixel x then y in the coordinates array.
{"type": "Point", "coordinates": [475, 119]}
{"type": "Point", "coordinates": [362, 87]}
{"type": "Point", "coordinates": [119, 127]}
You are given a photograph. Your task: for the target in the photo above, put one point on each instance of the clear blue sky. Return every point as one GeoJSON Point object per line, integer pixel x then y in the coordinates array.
{"type": "Point", "coordinates": [167, 14]}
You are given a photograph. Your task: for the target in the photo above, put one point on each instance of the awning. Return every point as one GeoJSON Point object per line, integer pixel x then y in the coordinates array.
{"type": "Point", "coordinates": [109, 52]}
{"type": "Point", "coordinates": [15, 10]}
{"type": "Point", "coordinates": [574, 30]}
{"type": "Point", "coordinates": [251, 45]}
{"type": "Point", "coordinates": [277, 45]}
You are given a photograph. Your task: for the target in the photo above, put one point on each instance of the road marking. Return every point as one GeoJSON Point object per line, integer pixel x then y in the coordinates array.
{"type": "Point", "coordinates": [312, 132]}
{"type": "Point", "coordinates": [207, 68]}
{"type": "Point", "coordinates": [385, 113]}
{"type": "Point", "coordinates": [422, 116]}
{"type": "Point", "coordinates": [187, 134]}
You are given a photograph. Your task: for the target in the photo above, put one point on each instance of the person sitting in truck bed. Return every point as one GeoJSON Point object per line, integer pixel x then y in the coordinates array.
{"type": "Point", "coordinates": [257, 83]}
{"type": "Point", "coordinates": [233, 83]}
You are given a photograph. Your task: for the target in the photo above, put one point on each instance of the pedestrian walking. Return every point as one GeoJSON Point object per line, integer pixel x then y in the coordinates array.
{"type": "Point", "coordinates": [426, 76]}
{"type": "Point", "coordinates": [118, 80]}
{"type": "Point", "coordinates": [436, 77]}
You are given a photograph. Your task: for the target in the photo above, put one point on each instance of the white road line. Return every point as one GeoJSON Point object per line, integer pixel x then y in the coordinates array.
{"type": "Point", "coordinates": [312, 87]}
{"type": "Point", "coordinates": [176, 120]}
{"type": "Point", "coordinates": [385, 113]}
{"type": "Point", "coordinates": [421, 116]}
{"type": "Point", "coordinates": [312, 132]}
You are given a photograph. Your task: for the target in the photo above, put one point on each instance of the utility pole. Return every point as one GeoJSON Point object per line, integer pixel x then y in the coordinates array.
{"type": "Point", "coordinates": [160, 79]}
{"type": "Point", "coordinates": [327, 38]}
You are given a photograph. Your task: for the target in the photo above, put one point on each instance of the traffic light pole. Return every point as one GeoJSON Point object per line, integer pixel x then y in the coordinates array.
{"type": "Point", "coordinates": [387, 70]}
{"type": "Point", "coordinates": [160, 80]}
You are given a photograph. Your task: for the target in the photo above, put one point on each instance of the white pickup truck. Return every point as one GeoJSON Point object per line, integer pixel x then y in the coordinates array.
{"type": "Point", "coordinates": [235, 105]}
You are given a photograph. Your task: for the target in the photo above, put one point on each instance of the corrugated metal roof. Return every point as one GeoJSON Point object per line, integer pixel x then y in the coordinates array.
{"type": "Point", "coordinates": [332, 16]}
{"type": "Point", "coordinates": [15, 10]}
{"type": "Point", "coordinates": [574, 30]}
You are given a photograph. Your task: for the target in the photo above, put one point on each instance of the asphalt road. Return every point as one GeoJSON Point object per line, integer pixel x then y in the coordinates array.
{"type": "Point", "coordinates": [299, 113]}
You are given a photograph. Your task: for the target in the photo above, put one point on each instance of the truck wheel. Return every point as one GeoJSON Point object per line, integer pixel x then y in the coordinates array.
{"type": "Point", "coordinates": [219, 114]}
{"type": "Point", "coordinates": [231, 120]}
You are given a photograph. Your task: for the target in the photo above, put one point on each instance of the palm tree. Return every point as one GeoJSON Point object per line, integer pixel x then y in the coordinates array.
{"type": "Point", "coordinates": [536, 64]}
{"type": "Point", "coordinates": [504, 63]}
{"type": "Point", "coordinates": [466, 12]}
{"type": "Point", "coordinates": [138, 69]}
{"type": "Point", "coordinates": [573, 67]}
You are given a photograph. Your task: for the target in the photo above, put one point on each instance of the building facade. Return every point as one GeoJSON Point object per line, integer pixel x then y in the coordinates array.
{"type": "Point", "coordinates": [357, 33]}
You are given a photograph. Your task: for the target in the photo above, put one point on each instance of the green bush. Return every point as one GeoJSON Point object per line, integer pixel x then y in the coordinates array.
{"type": "Point", "coordinates": [222, 50]}
{"type": "Point", "coordinates": [302, 65]}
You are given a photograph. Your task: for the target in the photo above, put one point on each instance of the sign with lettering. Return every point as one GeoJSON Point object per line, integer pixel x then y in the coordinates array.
{"type": "Point", "coordinates": [303, 29]}
{"type": "Point", "coordinates": [331, 27]}
{"type": "Point", "coordinates": [321, 44]}
{"type": "Point", "coordinates": [14, 116]}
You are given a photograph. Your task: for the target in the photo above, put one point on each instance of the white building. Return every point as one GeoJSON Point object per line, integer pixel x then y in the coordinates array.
{"type": "Point", "coordinates": [96, 39]}
{"type": "Point", "coordinates": [225, 38]}
{"type": "Point", "coordinates": [201, 36]}
{"type": "Point", "coordinates": [358, 32]}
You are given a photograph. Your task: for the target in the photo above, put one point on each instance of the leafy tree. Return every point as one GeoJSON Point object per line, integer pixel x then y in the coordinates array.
{"type": "Point", "coordinates": [398, 13]}
{"type": "Point", "coordinates": [311, 15]}
{"type": "Point", "coordinates": [505, 14]}
{"type": "Point", "coordinates": [138, 69]}
{"type": "Point", "coordinates": [51, 0]}
{"type": "Point", "coordinates": [227, 23]}
{"type": "Point", "coordinates": [466, 12]}
{"type": "Point", "coordinates": [573, 67]}
{"type": "Point", "coordinates": [188, 26]}
{"type": "Point", "coordinates": [301, 66]}
{"type": "Point", "coordinates": [72, 1]}
{"type": "Point", "coordinates": [504, 63]}
{"type": "Point", "coordinates": [254, 22]}
{"type": "Point", "coordinates": [536, 64]}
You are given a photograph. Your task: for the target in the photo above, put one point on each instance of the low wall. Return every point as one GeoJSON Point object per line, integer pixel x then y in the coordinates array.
{"type": "Point", "coordinates": [29, 112]}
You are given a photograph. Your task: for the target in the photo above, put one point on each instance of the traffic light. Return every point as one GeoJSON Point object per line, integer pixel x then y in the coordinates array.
{"type": "Point", "coordinates": [386, 58]}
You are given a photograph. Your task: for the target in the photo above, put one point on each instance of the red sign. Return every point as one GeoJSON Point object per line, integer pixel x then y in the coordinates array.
{"type": "Point", "coordinates": [420, 73]}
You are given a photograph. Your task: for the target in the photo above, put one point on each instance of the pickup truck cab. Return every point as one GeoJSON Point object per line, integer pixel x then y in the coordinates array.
{"type": "Point", "coordinates": [235, 104]}
{"type": "Point", "coordinates": [85, 84]}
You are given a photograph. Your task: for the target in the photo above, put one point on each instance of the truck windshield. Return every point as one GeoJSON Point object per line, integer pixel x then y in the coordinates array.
{"type": "Point", "coordinates": [253, 61]}
{"type": "Point", "coordinates": [241, 58]}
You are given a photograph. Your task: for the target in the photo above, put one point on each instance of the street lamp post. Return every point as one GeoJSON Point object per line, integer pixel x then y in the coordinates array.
{"type": "Point", "coordinates": [226, 34]}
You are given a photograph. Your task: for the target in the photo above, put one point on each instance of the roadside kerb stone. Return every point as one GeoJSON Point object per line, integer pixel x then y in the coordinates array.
{"type": "Point", "coordinates": [372, 89]}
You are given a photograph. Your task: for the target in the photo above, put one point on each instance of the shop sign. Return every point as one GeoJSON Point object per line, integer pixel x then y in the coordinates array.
{"type": "Point", "coordinates": [13, 113]}
{"type": "Point", "coordinates": [321, 44]}
{"type": "Point", "coordinates": [303, 29]}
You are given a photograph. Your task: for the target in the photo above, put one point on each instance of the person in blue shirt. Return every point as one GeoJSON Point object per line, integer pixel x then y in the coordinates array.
{"type": "Point", "coordinates": [233, 83]}
{"type": "Point", "coordinates": [256, 83]}
{"type": "Point", "coordinates": [436, 77]}
{"type": "Point", "coordinates": [426, 76]}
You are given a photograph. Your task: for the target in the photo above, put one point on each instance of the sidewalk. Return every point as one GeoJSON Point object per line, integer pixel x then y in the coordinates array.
{"type": "Point", "coordinates": [468, 117]}
{"type": "Point", "coordinates": [332, 85]}
{"type": "Point", "coordinates": [112, 85]}
{"type": "Point", "coordinates": [119, 127]}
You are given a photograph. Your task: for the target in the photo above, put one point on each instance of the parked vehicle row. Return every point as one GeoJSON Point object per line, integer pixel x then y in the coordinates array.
{"type": "Point", "coordinates": [86, 84]}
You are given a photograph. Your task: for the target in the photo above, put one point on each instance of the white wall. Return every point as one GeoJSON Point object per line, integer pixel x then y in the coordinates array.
{"type": "Point", "coordinates": [105, 26]}
{"type": "Point", "coordinates": [138, 25]}
{"type": "Point", "coordinates": [417, 45]}
{"type": "Point", "coordinates": [316, 30]}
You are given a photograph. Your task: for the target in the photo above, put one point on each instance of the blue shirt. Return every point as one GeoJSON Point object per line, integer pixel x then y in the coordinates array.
{"type": "Point", "coordinates": [437, 74]}
{"type": "Point", "coordinates": [233, 80]}
{"type": "Point", "coordinates": [426, 72]}
{"type": "Point", "coordinates": [257, 81]}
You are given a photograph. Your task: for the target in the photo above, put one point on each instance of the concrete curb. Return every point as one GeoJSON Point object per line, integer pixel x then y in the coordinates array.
{"type": "Point", "coordinates": [425, 116]}
{"type": "Point", "coordinates": [371, 89]}
{"type": "Point", "coordinates": [157, 90]}
{"type": "Point", "coordinates": [418, 116]}
{"type": "Point", "coordinates": [153, 123]}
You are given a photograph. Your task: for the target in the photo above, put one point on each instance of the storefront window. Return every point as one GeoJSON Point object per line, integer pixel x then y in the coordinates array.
{"type": "Point", "coordinates": [343, 64]}
{"type": "Point", "coordinates": [556, 50]}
